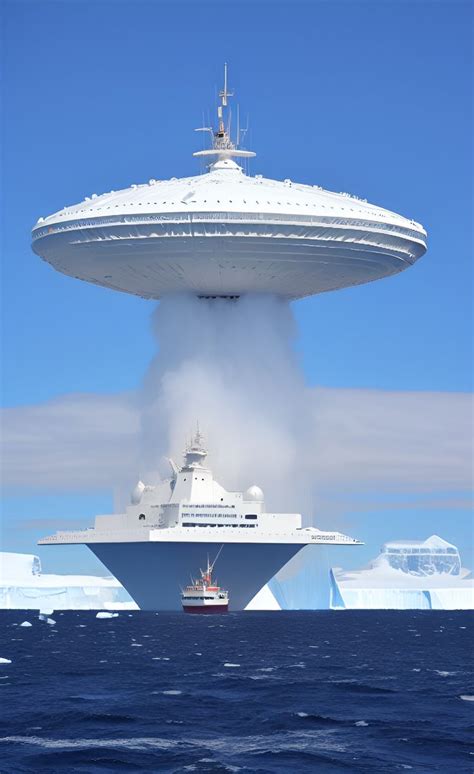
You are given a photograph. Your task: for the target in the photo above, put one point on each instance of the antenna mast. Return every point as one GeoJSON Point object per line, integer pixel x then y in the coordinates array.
{"type": "Point", "coordinates": [222, 145]}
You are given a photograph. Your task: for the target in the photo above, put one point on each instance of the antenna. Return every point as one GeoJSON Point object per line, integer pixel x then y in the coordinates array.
{"type": "Point", "coordinates": [224, 93]}
{"type": "Point", "coordinates": [222, 145]}
{"type": "Point", "coordinates": [243, 132]}
{"type": "Point", "coordinates": [217, 557]}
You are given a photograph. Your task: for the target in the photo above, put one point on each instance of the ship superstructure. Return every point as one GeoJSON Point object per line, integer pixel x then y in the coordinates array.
{"type": "Point", "coordinates": [166, 529]}
{"type": "Point", "coordinates": [203, 595]}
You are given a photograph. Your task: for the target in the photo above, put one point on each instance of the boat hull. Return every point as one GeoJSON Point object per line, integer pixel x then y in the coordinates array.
{"type": "Point", "coordinates": [153, 573]}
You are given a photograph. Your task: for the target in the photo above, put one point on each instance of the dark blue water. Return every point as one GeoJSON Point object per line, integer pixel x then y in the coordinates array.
{"type": "Point", "coordinates": [254, 692]}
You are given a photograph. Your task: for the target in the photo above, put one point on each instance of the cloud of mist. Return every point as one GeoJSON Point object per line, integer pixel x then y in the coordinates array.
{"type": "Point", "coordinates": [231, 367]}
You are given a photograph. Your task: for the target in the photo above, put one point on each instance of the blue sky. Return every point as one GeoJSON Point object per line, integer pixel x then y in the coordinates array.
{"type": "Point", "coordinates": [372, 98]}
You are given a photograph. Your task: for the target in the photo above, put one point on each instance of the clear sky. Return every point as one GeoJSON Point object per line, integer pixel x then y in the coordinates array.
{"type": "Point", "coordinates": [373, 98]}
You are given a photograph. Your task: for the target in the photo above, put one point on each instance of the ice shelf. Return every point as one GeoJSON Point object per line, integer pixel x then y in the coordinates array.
{"type": "Point", "coordinates": [23, 586]}
{"type": "Point", "coordinates": [406, 575]}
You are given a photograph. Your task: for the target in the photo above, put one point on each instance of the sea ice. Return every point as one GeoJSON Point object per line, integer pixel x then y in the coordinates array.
{"type": "Point", "coordinates": [23, 586]}
{"type": "Point", "coordinates": [105, 614]}
{"type": "Point", "coordinates": [464, 696]}
{"type": "Point", "coordinates": [228, 664]}
{"type": "Point", "coordinates": [8, 661]}
{"type": "Point", "coordinates": [46, 619]}
{"type": "Point", "coordinates": [26, 623]}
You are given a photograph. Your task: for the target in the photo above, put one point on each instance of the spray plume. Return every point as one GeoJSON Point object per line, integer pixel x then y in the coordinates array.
{"type": "Point", "coordinates": [232, 367]}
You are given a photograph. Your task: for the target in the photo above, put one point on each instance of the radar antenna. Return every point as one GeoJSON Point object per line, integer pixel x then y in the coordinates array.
{"type": "Point", "coordinates": [222, 145]}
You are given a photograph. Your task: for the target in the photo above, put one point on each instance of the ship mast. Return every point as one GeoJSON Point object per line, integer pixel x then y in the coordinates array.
{"type": "Point", "coordinates": [222, 146]}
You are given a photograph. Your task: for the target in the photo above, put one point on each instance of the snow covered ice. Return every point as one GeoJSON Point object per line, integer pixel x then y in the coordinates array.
{"type": "Point", "coordinates": [406, 575]}
{"type": "Point", "coordinates": [23, 586]}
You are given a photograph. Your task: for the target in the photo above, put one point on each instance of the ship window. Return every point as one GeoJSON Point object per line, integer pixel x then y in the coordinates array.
{"type": "Point", "coordinates": [142, 517]}
{"type": "Point", "coordinates": [251, 516]}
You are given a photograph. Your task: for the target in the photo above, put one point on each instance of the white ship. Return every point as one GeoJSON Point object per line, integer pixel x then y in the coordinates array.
{"type": "Point", "coordinates": [204, 595]}
{"type": "Point", "coordinates": [167, 528]}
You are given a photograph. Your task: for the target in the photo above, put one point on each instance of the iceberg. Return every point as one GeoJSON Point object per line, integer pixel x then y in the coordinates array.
{"type": "Point", "coordinates": [407, 575]}
{"type": "Point", "coordinates": [23, 586]}
{"type": "Point", "coordinates": [301, 584]}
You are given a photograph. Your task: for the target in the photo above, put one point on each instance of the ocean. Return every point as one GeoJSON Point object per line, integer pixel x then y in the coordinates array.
{"type": "Point", "coordinates": [330, 692]}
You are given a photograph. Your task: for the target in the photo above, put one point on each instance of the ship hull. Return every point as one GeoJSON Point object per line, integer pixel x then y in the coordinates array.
{"type": "Point", "coordinates": [205, 609]}
{"type": "Point", "coordinates": [153, 573]}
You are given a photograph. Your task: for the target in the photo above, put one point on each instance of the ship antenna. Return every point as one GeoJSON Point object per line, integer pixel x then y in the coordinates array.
{"type": "Point", "coordinates": [222, 145]}
{"type": "Point", "coordinates": [225, 93]}
{"type": "Point", "coordinates": [217, 557]}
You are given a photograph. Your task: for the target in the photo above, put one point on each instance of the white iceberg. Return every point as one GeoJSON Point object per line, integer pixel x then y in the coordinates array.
{"type": "Point", "coordinates": [408, 574]}
{"type": "Point", "coordinates": [105, 614]}
{"type": "Point", "coordinates": [23, 586]}
{"type": "Point", "coordinates": [302, 584]}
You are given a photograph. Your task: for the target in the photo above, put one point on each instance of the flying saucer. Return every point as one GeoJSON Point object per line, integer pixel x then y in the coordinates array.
{"type": "Point", "coordinates": [227, 233]}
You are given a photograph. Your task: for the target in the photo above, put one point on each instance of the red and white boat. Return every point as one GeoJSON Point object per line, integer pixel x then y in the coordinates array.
{"type": "Point", "coordinates": [204, 596]}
